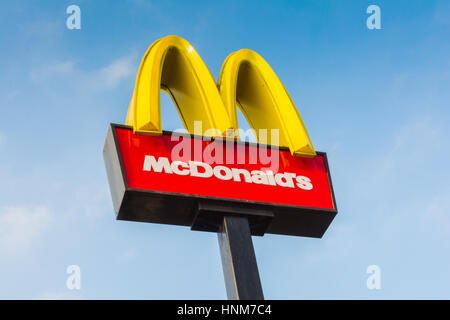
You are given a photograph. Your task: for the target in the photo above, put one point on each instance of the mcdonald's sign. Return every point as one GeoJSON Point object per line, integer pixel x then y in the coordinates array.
{"type": "Point", "coordinates": [280, 182]}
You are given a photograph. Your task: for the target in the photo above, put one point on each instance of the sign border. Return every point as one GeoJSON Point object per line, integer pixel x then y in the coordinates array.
{"type": "Point", "coordinates": [133, 204]}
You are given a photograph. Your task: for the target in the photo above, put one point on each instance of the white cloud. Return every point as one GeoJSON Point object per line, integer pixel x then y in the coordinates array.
{"type": "Point", "coordinates": [410, 191]}
{"type": "Point", "coordinates": [94, 200]}
{"type": "Point", "coordinates": [20, 227]}
{"type": "Point", "coordinates": [110, 75]}
{"type": "Point", "coordinates": [338, 243]}
{"type": "Point", "coordinates": [52, 70]}
{"type": "Point", "coordinates": [106, 77]}
{"type": "Point", "coordinates": [11, 95]}
{"type": "Point", "coordinates": [128, 255]}
{"type": "Point", "coordinates": [410, 149]}
{"type": "Point", "coordinates": [438, 213]}
{"type": "Point", "coordinates": [441, 13]}
{"type": "Point", "coordinates": [417, 137]}
{"type": "Point", "coordinates": [396, 188]}
{"type": "Point", "coordinates": [42, 29]}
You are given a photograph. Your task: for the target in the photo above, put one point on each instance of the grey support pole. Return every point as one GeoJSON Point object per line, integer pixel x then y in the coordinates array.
{"type": "Point", "coordinates": [238, 260]}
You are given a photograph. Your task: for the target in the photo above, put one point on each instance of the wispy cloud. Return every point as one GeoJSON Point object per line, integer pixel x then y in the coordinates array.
{"type": "Point", "coordinates": [110, 75]}
{"type": "Point", "coordinates": [42, 29]}
{"type": "Point", "coordinates": [441, 13]}
{"type": "Point", "coordinates": [94, 199]}
{"type": "Point", "coordinates": [51, 70]}
{"type": "Point", "coordinates": [128, 255]}
{"type": "Point", "coordinates": [20, 227]}
{"type": "Point", "coordinates": [105, 77]}
{"type": "Point", "coordinates": [393, 163]}
{"type": "Point", "coordinates": [438, 213]}
{"type": "Point", "coordinates": [339, 243]}
{"type": "Point", "coordinates": [393, 192]}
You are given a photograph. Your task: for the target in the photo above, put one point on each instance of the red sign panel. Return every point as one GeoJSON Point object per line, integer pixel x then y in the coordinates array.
{"type": "Point", "coordinates": [158, 163]}
{"type": "Point", "coordinates": [188, 180]}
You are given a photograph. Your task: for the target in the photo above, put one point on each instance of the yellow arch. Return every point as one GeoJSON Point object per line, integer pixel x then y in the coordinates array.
{"type": "Point", "coordinates": [173, 65]}
{"type": "Point", "coordinates": [247, 80]}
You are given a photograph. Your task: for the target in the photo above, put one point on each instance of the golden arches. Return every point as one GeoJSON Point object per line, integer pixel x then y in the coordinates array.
{"type": "Point", "coordinates": [246, 80]}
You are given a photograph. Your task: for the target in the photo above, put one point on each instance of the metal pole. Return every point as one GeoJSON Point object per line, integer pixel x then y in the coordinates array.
{"type": "Point", "coordinates": [238, 260]}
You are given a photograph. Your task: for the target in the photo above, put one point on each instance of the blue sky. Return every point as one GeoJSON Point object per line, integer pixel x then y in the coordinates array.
{"type": "Point", "coordinates": [377, 101]}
